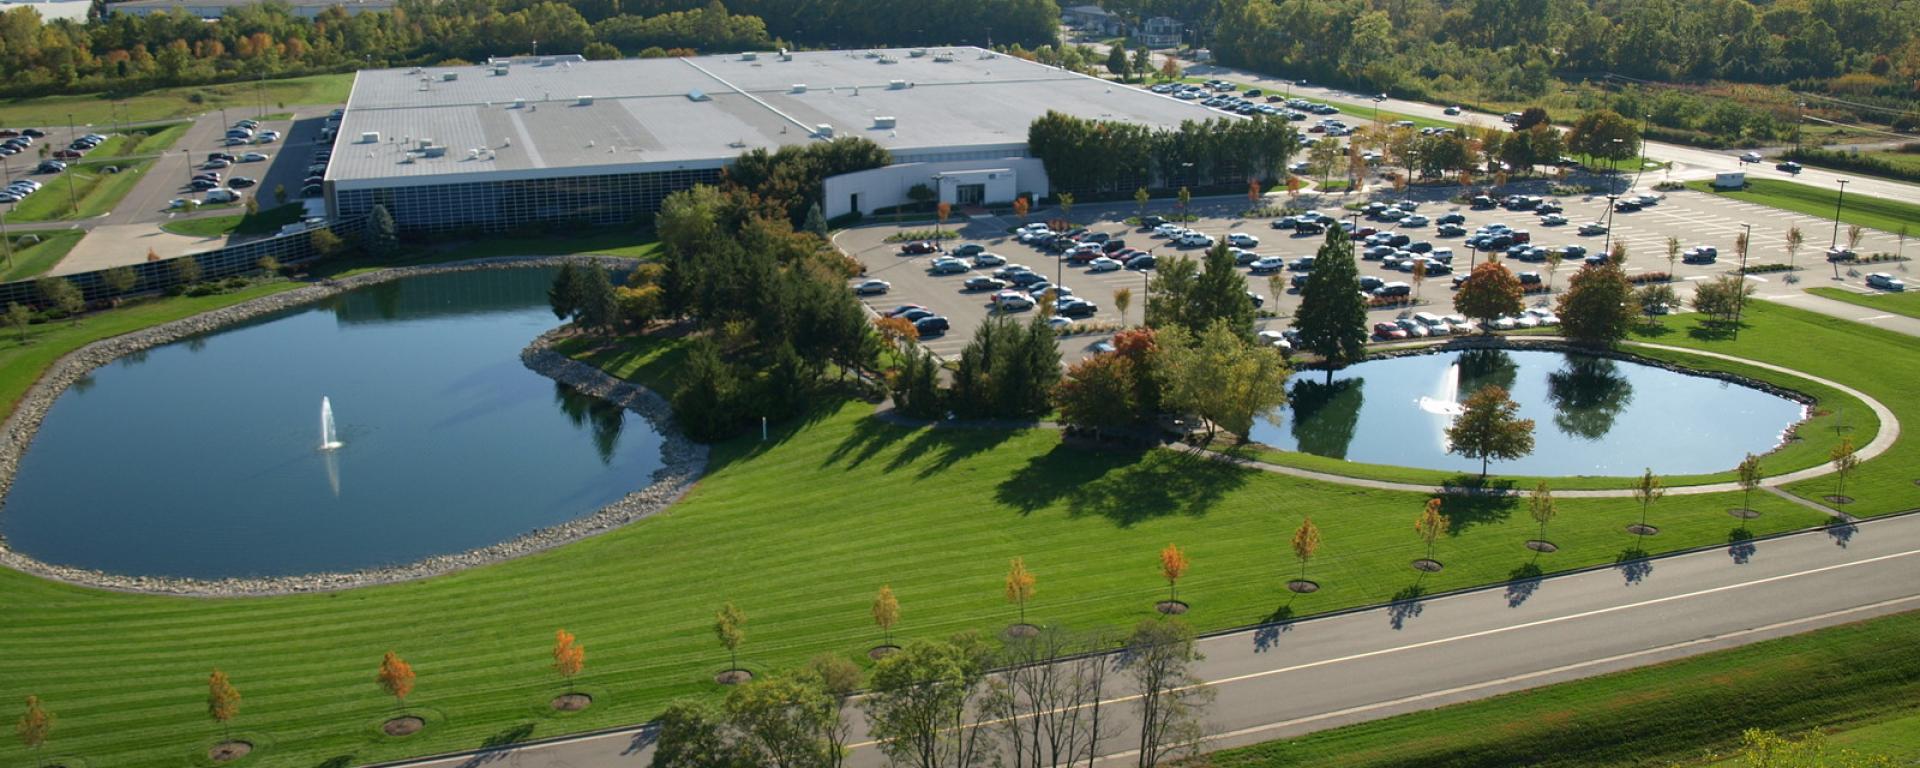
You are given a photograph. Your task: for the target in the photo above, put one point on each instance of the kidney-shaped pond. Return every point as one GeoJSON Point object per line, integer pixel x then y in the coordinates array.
{"type": "Point", "coordinates": [1592, 415]}
{"type": "Point", "coordinates": [202, 458]}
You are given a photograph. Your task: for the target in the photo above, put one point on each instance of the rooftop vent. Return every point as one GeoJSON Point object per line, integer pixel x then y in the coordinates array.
{"type": "Point", "coordinates": [823, 130]}
{"type": "Point", "coordinates": [917, 52]}
{"type": "Point", "coordinates": [370, 137]}
{"type": "Point", "coordinates": [750, 56]}
{"type": "Point", "coordinates": [884, 121]}
{"type": "Point", "coordinates": [785, 56]}
{"type": "Point", "coordinates": [448, 77]}
{"type": "Point", "coordinates": [433, 151]}
{"type": "Point", "coordinates": [499, 70]}
{"type": "Point", "coordinates": [798, 88]}
{"type": "Point", "coordinates": [519, 104]}
{"type": "Point", "coordinates": [586, 101]}
{"type": "Point", "coordinates": [425, 144]}
{"type": "Point", "coordinates": [698, 95]}
{"type": "Point", "coordinates": [896, 85]}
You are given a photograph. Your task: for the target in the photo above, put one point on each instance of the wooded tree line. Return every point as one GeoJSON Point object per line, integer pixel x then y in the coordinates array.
{"type": "Point", "coordinates": [123, 52]}
{"type": "Point", "coordinates": [1092, 156]}
{"type": "Point", "coordinates": [1511, 49]}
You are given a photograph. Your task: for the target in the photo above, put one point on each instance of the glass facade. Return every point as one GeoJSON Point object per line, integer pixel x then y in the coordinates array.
{"type": "Point", "coordinates": [512, 204]}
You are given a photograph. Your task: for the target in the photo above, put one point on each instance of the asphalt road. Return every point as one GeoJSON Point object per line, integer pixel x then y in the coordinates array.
{"type": "Point", "coordinates": [1285, 680]}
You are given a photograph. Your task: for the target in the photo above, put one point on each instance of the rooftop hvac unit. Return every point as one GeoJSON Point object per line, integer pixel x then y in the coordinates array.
{"type": "Point", "coordinates": [499, 70]}
{"type": "Point", "coordinates": [799, 88]}
{"type": "Point", "coordinates": [917, 52]}
{"type": "Point", "coordinates": [698, 95]}
{"type": "Point", "coordinates": [586, 101]}
{"type": "Point", "coordinates": [424, 143]}
{"type": "Point", "coordinates": [823, 130]}
{"type": "Point", "coordinates": [750, 56]}
{"type": "Point", "coordinates": [519, 104]}
{"type": "Point", "coordinates": [883, 121]}
{"type": "Point", "coordinates": [433, 151]}
{"type": "Point", "coordinates": [448, 77]}
{"type": "Point", "coordinates": [370, 137]}
{"type": "Point", "coordinates": [896, 85]}
{"type": "Point", "coordinates": [785, 56]}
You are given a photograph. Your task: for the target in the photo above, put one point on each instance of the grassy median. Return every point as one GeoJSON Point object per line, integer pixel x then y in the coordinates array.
{"type": "Point", "coordinates": [1903, 303]}
{"type": "Point", "coordinates": [1876, 212]}
{"type": "Point", "coordinates": [81, 192]}
{"type": "Point", "coordinates": [32, 259]}
{"type": "Point", "coordinates": [1860, 679]}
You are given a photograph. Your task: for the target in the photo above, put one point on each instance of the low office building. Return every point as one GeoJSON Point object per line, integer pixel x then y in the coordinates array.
{"type": "Point", "coordinates": [214, 9]}
{"type": "Point", "coordinates": [512, 143]}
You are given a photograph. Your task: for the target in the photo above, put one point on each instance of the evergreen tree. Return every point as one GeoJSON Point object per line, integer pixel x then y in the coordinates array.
{"type": "Point", "coordinates": [599, 308]}
{"type": "Point", "coordinates": [1221, 294]}
{"type": "Point", "coordinates": [1332, 318]}
{"type": "Point", "coordinates": [705, 403]}
{"type": "Point", "coordinates": [383, 234]}
{"type": "Point", "coordinates": [816, 221]}
{"type": "Point", "coordinates": [563, 295]}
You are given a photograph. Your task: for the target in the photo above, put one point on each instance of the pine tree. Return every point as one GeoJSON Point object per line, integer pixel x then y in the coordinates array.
{"type": "Point", "coordinates": [563, 295]}
{"type": "Point", "coordinates": [383, 234]}
{"type": "Point", "coordinates": [1332, 318]}
{"type": "Point", "coordinates": [816, 221]}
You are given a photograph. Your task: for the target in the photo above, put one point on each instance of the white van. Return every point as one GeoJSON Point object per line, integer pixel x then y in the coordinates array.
{"type": "Point", "coordinates": [223, 195]}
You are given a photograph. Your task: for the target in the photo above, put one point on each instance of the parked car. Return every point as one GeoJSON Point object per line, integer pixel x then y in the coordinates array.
{"type": "Point", "coordinates": [872, 288]}
{"type": "Point", "coordinates": [267, 138]}
{"type": "Point", "coordinates": [947, 265]}
{"type": "Point", "coordinates": [312, 190]}
{"type": "Point", "coordinates": [902, 310]}
{"type": "Point", "coordinates": [931, 326]}
{"type": "Point", "coordinates": [1196, 239]}
{"type": "Point", "coordinates": [241, 182]}
{"type": "Point", "coordinates": [1012, 301]}
{"type": "Point", "coordinates": [1243, 240]}
{"type": "Point", "coordinates": [1104, 264]}
{"type": "Point", "coordinates": [50, 166]}
{"type": "Point", "coordinates": [1840, 253]}
{"type": "Point", "coordinates": [217, 163]}
{"type": "Point", "coordinates": [1593, 228]}
{"type": "Point", "coordinates": [983, 283]}
{"type": "Point", "coordinates": [1885, 281]}
{"type": "Point", "coordinates": [1143, 262]}
{"type": "Point", "coordinates": [914, 248]}
{"type": "Point", "coordinates": [1700, 254]}
{"type": "Point", "coordinates": [984, 259]}
{"type": "Point", "coordinates": [254, 157]}
{"type": "Point", "coordinates": [223, 195]}
{"type": "Point", "coordinates": [202, 185]}
{"type": "Point", "coordinates": [1072, 307]}
{"type": "Point", "coordinates": [1393, 289]}
{"type": "Point", "coordinates": [1553, 220]}
{"type": "Point", "coordinates": [969, 249]}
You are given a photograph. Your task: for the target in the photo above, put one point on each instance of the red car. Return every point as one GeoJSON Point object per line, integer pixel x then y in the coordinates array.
{"type": "Point", "coordinates": [68, 154]}
{"type": "Point", "coordinates": [1388, 331]}
{"type": "Point", "coordinates": [919, 247]}
{"type": "Point", "coordinates": [1366, 232]}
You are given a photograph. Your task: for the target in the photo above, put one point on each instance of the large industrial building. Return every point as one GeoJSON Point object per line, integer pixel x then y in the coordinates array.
{"type": "Point", "coordinates": [517, 142]}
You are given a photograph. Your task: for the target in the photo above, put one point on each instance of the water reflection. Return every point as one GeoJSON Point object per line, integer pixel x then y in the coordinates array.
{"type": "Point", "coordinates": [1325, 416]}
{"type": "Point", "coordinates": [603, 418]}
{"type": "Point", "coordinates": [1588, 394]}
{"type": "Point", "coordinates": [1482, 368]}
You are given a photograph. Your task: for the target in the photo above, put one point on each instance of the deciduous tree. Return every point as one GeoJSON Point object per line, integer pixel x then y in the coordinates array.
{"type": "Point", "coordinates": [1540, 506]}
{"type": "Point", "coordinates": [1749, 471]}
{"type": "Point", "coordinates": [1122, 300]}
{"type": "Point", "coordinates": [1431, 524]}
{"type": "Point", "coordinates": [1140, 198]}
{"type": "Point", "coordinates": [19, 316]}
{"type": "Point", "coordinates": [1219, 377]}
{"type": "Point", "coordinates": [1795, 239]}
{"type": "Point", "coordinates": [730, 626]}
{"type": "Point", "coordinates": [886, 612]}
{"type": "Point", "coordinates": [1019, 585]}
{"type": "Point", "coordinates": [1306, 542]}
{"type": "Point", "coordinates": [1490, 290]}
{"type": "Point", "coordinates": [1598, 305]}
{"type": "Point", "coordinates": [35, 727]}
{"type": "Point", "coordinates": [1100, 393]}
{"type": "Point", "coordinates": [1489, 427]}
{"type": "Point", "coordinates": [120, 281]}
{"type": "Point", "coordinates": [223, 701]}
{"type": "Point", "coordinates": [1173, 565]}
{"type": "Point", "coordinates": [1647, 490]}
{"type": "Point", "coordinates": [1170, 699]}
{"type": "Point", "coordinates": [395, 677]}
{"type": "Point", "coordinates": [569, 656]}
{"type": "Point", "coordinates": [1844, 461]}
{"type": "Point", "coordinates": [1721, 297]}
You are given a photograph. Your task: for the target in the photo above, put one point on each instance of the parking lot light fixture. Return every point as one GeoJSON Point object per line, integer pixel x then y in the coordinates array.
{"type": "Point", "coordinates": [1837, 202]}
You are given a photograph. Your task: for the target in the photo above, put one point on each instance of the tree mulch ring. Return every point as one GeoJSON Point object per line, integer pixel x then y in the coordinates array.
{"type": "Point", "coordinates": [1171, 607]}
{"type": "Point", "coordinates": [733, 677]}
{"type": "Point", "coordinates": [406, 725]}
{"type": "Point", "coordinates": [1428, 565]}
{"type": "Point", "coordinates": [1743, 513]}
{"type": "Point", "coordinates": [229, 751]}
{"type": "Point", "coordinates": [1642, 530]}
{"type": "Point", "coordinates": [572, 702]}
{"type": "Point", "coordinates": [1542, 546]}
{"type": "Point", "coordinates": [882, 651]}
{"type": "Point", "coordinates": [1836, 499]}
{"type": "Point", "coordinates": [1022, 630]}
{"type": "Point", "coordinates": [1303, 586]}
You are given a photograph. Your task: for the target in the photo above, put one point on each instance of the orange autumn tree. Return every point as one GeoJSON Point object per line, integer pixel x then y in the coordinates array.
{"type": "Point", "coordinates": [1020, 583]}
{"type": "Point", "coordinates": [1306, 542]}
{"type": "Point", "coordinates": [395, 677]}
{"type": "Point", "coordinates": [223, 701]}
{"type": "Point", "coordinates": [1020, 208]}
{"type": "Point", "coordinates": [1173, 565]}
{"type": "Point", "coordinates": [35, 726]}
{"type": "Point", "coordinates": [569, 656]}
{"type": "Point", "coordinates": [886, 611]}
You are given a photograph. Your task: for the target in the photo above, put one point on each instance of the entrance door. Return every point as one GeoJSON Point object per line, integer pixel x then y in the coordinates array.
{"type": "Point", "coordinates": [853, 203]}
{"type": "Point", "coordinates": [970, 194]}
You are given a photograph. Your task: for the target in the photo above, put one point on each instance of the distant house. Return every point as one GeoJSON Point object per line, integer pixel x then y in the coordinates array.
{"type": "Point", "coordinates": [213, 9]}
{"type": "Point", "coordinates": [1093, 18]}
{"type": "Point", "coordinates": [1160, 32]}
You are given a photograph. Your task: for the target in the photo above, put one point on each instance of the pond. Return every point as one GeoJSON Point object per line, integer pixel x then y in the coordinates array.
{"type": "Point", "coordinates": [202, 458]}
{"type": "Point", "coordinates": [1592, 415]}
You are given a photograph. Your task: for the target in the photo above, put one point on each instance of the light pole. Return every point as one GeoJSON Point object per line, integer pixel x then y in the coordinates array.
{"type": "Point", "coordinates": [1607, 250]}
{"type": "Point", "coordinates": [1837, 202]}
{"type": "Point", "coordinates": [1146, 290]}
{"type": "Point", "coordinates": [5, 241]}
{"type": "Point", "coordinates": [1740, 296]}
{"type": "Point", "coordinates": [73, 198]}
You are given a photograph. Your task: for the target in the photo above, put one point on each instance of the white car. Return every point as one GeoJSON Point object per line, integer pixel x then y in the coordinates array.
{"type": "Point", "coordinates": [1885, 281]}
{"type": "Point", "coordinates": [1010, 301]}
{"type": "Point", "coordinates": [1752, 157]}
{"type": "Point", "coordinates": [1275, 339]}
{"type": "Point", "coordinates": [267, 138]}
{"type": "Point", "coordinates": [1196, 239]}
{"type": "Point", "coordinates": [872, 288]}
{"type": "Point", "coordinates": [1169, 230]}
{"type": "Point", "coordinates": [1553, 220]}
{"type": "Point", "coordinates": [1415, 220]}
{"type": "Point", "coordinates": [1059, 323]}
{"type": "Point", "coordinates": [254, 157]}
{"type": "Point", "coordinates": [1547, 318]}
{"type": "Point", "coordinates": [1103, 264]}
{"type": "Point", "coordinates": [1243, 240]}
{"type": "Point", "coordinates": [1504, 323]}
{"type": "Point", "coordinates": [1526, 321]}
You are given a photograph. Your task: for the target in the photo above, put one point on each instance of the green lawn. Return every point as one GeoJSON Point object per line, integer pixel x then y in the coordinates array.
{"type": "Point", "coordinates": [161, 104]}
{"type": "Point", "coordinates": [1876, 212]}
{"type": "Point", "coordinates": [266, 222]}
{"type": "Point", "coordinates": [95, 190]}
{"type": "Point", "coordinates": [1903, 303]}
{"type": "Point", "coordinates": [1862, 679]}
{"type": "Point", "coordinates": [30, 261]}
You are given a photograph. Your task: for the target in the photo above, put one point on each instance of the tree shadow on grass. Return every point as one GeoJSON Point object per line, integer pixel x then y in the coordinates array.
{"type": "Point", "coordinates": [1267, 635]}
{"type": "Point", "coordinates": [1634, 564]}
{"type": "Point", "coordinates": [1126, 487]}
{"type": "Point", "coordinates": [1522, 582]}
{"type": "Point", "coordinates": [1740, 545]}
{"type": "Point", "coordinates": [337, 761]}
{"type": "Point", "coordinates": [1714, 331]}
{"type": "Point", "coordinates": [868, 437]}
{"type": "Point", "coordinates": [942, 448]}
{"type": "Point", "coordinates": [1464, 510]}
{"type": "Point", "coordinates": [1405, 605]}
{"type": "Point", "coordinates": [1654, 331]}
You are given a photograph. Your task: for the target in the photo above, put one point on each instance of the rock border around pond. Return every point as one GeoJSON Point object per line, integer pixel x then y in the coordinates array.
{"type": "Point", "coordinates": [683, 461]}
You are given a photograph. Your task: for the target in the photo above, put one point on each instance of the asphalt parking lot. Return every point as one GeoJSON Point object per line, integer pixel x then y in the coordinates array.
{"type": "Point", "coordinates": [1695, 218]}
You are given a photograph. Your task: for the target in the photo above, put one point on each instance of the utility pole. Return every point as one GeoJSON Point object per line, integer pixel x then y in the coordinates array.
{"type": "Point", "coordinates": [1740, 296]}
{"type": "Point", "coordinates": [1837, 202]}
{"type": "Point", "coordinates": [73, 198]}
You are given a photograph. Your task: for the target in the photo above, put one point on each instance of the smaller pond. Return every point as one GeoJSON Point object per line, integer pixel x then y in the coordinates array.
{"type": "Point", "coordinates": [1592, 415]}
